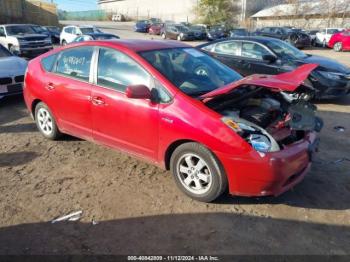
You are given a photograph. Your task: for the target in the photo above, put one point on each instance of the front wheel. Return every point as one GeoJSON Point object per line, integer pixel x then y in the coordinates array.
{"type": "Point", "coordinates": [197, 172]}
{"type": "Point", "coordinates": [164, 36]}
{"type": "Point", "coordinates": [338, 47]}
{"type": "Point", "coordinates": [179, 38]}
{"type": "Point", "coordinates": [64, 42]}
{"type": "Point", "coordinates": [45, 122]}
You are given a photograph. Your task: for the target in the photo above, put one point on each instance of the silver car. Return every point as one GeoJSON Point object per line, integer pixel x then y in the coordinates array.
{"type": "Point", "coordinates": [12, 70]}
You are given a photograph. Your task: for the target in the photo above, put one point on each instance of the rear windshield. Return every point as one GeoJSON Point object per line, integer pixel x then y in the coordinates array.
{"type": "Point", "coordinates": [87, 30]}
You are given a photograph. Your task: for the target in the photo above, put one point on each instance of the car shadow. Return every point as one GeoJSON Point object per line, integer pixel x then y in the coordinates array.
{"type": "Point", "coordinates": [180, 234]}
{"type": "Point", "coordinates": [19, 128]}
{"type": "Point", "coordinates": [18, 109]}
{"type": "Point", "coordinates": [17, 158]}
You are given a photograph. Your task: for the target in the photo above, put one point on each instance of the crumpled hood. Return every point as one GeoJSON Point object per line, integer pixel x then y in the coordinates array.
{"type": "Point", "coordinates": [289, 81]}
{"type": "Point", "coordinates": [12, 66]}
{"type": "Point", "coordinates": [326, 64]}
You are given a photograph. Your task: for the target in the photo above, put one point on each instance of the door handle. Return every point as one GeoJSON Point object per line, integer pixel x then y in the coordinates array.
{"type": "Point", "coordinates": [50, 86]}
{"type": "Point", "coordinates": [98, 101]}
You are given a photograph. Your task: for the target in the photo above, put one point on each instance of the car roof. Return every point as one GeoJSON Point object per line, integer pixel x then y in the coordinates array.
{"type": "Point", "coordinates": [137, 45]}
{"type": "Point", "coordinates": [258, 39]}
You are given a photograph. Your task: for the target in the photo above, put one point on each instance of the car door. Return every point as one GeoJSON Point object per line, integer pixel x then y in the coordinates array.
{"type": "Point", "coordinates": [252, 54]}
{"type": "Point", "coordinates": [70, 91]}
{"type": "Point", "coordinates": [118, 121]}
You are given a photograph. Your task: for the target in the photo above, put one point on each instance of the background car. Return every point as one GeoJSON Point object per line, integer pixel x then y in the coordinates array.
{"type": "Point", "coordinates": [293, 36]}
{"type": "Point", "coordinates": [51, 31]}
{"type": "Point", "coordinates": [155, 29]}
{"type": "Point", "coordinates": [21, 39]}
{"type": "Point", "coordinates": [70, 33]}
{"type": "Point", "coordinates": [324, 35]}
{"type": "Point", "coordinates": [12, 69]}
{"type": "Point", "coordinates": [200, 32]}
{"type": "Point", "coordinates": [95, 36]}
{"type": "Point", "coordinates": [239, 32]}
{"type": "Point", "coordinates": [142, 26]}
{"type": "Point", "coordinates": [177, 32]}
{"type": "Point", "coordinates": [312, 33]}
{"type": "Point", "coordinates": [172, 91]}
{"type": "Point", "coordinates": [216, 32]}
{"type": "Point", "coordinates": [262, 55]}
{"type": "Point", "coordinates": [340, 41]}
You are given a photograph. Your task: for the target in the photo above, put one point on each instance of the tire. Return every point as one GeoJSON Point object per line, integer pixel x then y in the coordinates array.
{"type": "Point", "coordinates": [45, 122]}
{"type": "Point", "coordinates": [338, 47]}
{"type": "Point", "coordinates": [179, 38]}
{"type": "Point", "coordinates": [202, 177]}
{"type": "Point", "coordinates": [64, 42]}
{"type": "Point", "coordinates": [164, 36]}
{"type": "Point", "coordinates": [12, 49]}
{"type": "Point", "coordinates": [324, 45]}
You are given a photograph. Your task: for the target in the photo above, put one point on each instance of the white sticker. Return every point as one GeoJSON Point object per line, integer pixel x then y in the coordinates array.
{"type": "Point", "coordinates": [193, 52]}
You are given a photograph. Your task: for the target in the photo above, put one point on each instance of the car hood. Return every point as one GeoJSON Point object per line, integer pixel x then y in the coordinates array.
{"type": "Point", "coordinates": [12, 66]}
{"type": "Point", "coordinates": [325, 64]}
{"type": "Point", "coordinates": [289, 81]}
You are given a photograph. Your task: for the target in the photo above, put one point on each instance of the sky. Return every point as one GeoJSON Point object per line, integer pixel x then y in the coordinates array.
{"type": "Point", "coordinates": [76, 5]}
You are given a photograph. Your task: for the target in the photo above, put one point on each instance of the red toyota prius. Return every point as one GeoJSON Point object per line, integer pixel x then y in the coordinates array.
{"type": "Point", "coordinates": [175, 106]}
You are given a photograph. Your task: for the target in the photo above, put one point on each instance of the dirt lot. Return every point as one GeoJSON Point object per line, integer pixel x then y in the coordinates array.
{"type": "Point", "coordinates": [139, 210]}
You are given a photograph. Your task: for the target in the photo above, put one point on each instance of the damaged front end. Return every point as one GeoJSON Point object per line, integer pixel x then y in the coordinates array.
{"type": "Point", "coordinates": [269, 112]}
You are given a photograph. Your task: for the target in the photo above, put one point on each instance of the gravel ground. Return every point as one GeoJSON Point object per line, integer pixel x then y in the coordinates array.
{"type": "Point", "coordinates": [138, 208]}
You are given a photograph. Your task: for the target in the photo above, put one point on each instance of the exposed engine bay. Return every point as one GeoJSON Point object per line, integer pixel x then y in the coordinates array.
{"type": "Point", "coordinates": [268, 119]}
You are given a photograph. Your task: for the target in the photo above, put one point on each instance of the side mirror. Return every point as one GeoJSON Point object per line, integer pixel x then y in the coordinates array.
{"type": "Point", "coordinates": [269, 58]}
{"type": "Point", "coordinates": [138, 92]}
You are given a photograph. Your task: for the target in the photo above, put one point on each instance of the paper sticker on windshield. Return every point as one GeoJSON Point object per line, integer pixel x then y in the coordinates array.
{"type": "Point", "coordinates": [193, 52]}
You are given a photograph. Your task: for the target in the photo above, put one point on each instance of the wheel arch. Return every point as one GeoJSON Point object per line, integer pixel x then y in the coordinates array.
{"type": "Point", "coordinates": [33, 106]}
{"type": "Point", "coordinates": [172, 147]}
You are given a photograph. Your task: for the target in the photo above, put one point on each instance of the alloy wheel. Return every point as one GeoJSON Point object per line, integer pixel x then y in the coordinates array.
{"type": "Point", "coordinates": [194, 174]}
{"type": "Point", "coordinates": [45, 121]}
{"type": "Point", "coordinates": [338, 47]}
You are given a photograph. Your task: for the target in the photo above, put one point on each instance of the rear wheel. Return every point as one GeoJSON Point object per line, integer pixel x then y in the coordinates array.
{"type": "Point", "coordinates": [45, 122]}
{"type": "Point", "coordinates": [197, 172]}
{"type": "Point", "coordinates": [338, 47]}
{"type": "Point", "coordinates": [64, 42]}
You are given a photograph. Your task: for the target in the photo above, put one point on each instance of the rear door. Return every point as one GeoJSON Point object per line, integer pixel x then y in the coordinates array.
{"type": "Point", "coordinates": [118, 121]}
{"type": "Point", "coordinates": [229, 53]}
{"type": "Point", "coordinates": [71, 89]}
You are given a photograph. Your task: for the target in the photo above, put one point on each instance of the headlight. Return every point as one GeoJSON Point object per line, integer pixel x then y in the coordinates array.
{"type": "Point", "coordinates": [257, 137]}
{"type": "Point", "coordinates": [331, 75]}
{"type": "Point", "coordinates": [260, 143]}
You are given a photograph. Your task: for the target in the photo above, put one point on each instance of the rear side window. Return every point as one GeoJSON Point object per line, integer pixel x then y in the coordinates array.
{"type": "Point", "coordinates": [228, 48]}
{"type": "Point", "coordinates": [75, 63]}
{"type": "Point", "coordinates": [48, 62]}
{"type": "Point", "coordinates": [117, 71]}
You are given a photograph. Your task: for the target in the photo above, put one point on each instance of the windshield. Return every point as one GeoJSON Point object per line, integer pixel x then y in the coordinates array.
{"type": "Point", "coordinates": [4, 52]}
{"type": "Point", "coordinates": [19, 30]}
{"type": "Point", "coordinates": [190, 70]}
{"type": "Point", "coordinates": [53, 29]}
{"type": "Point", "coordinates": [285, 50]}
{"type": "Point", "coordinates": [197, 28]}
{"type": "Point", "coordinates": [182, 28]}
{"type": "Point", "coordinates": [39, 29]}
{"type": "Point", "coordinates": [333, 31]}
{"type": "Point", "coordinates": [87, 30]}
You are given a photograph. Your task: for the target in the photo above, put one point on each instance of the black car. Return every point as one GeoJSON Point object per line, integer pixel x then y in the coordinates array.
{"type": "Point", "coordinates": [54, 32]}
{"type": "Point", "coordinates": [199, 31]}
{"type": "Point", "coordinates": [294, 36]}
{"type": "Point", "coordinates": [216, 32]}
{"type": "Point", "coordinates": [263, 55]}
{"type": "Point", "coordinates": [177, 32]}
{"type": "Point", "coordinates": [95, 36]}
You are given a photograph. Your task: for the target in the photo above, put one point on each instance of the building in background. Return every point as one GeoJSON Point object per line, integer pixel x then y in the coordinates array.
{"type": "Point", "coordinates": [177, 10]}
{"type": "Point", "coordinates": [306, 14]}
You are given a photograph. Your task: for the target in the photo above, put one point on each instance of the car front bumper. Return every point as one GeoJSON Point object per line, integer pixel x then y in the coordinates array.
{"type": "Point", "coordinates": [34, 50]}
{"type": "Point", "coordinates": [328, 89]}
{"type": "Point", "coordinates": [270, 174]}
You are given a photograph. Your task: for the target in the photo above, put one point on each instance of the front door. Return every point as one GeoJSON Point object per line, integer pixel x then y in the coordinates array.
{"type": "Point", "coordinates": [118, 121]}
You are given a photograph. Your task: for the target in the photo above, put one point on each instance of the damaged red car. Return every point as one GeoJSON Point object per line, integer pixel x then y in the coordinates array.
{"type": "Point", "coordinates": [177, 107]}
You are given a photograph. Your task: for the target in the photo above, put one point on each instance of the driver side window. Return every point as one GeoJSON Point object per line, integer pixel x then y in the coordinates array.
{"type": "Point", "coordinates": [228, 48]}
{"type": "Point", "coordinates": [254, 51]}
{"type": "Point", "coordinates": [117, 71]}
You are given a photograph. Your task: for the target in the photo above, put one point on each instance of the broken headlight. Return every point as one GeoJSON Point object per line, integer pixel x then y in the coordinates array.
{"type": "Point", "coordinates": [257, 137]}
